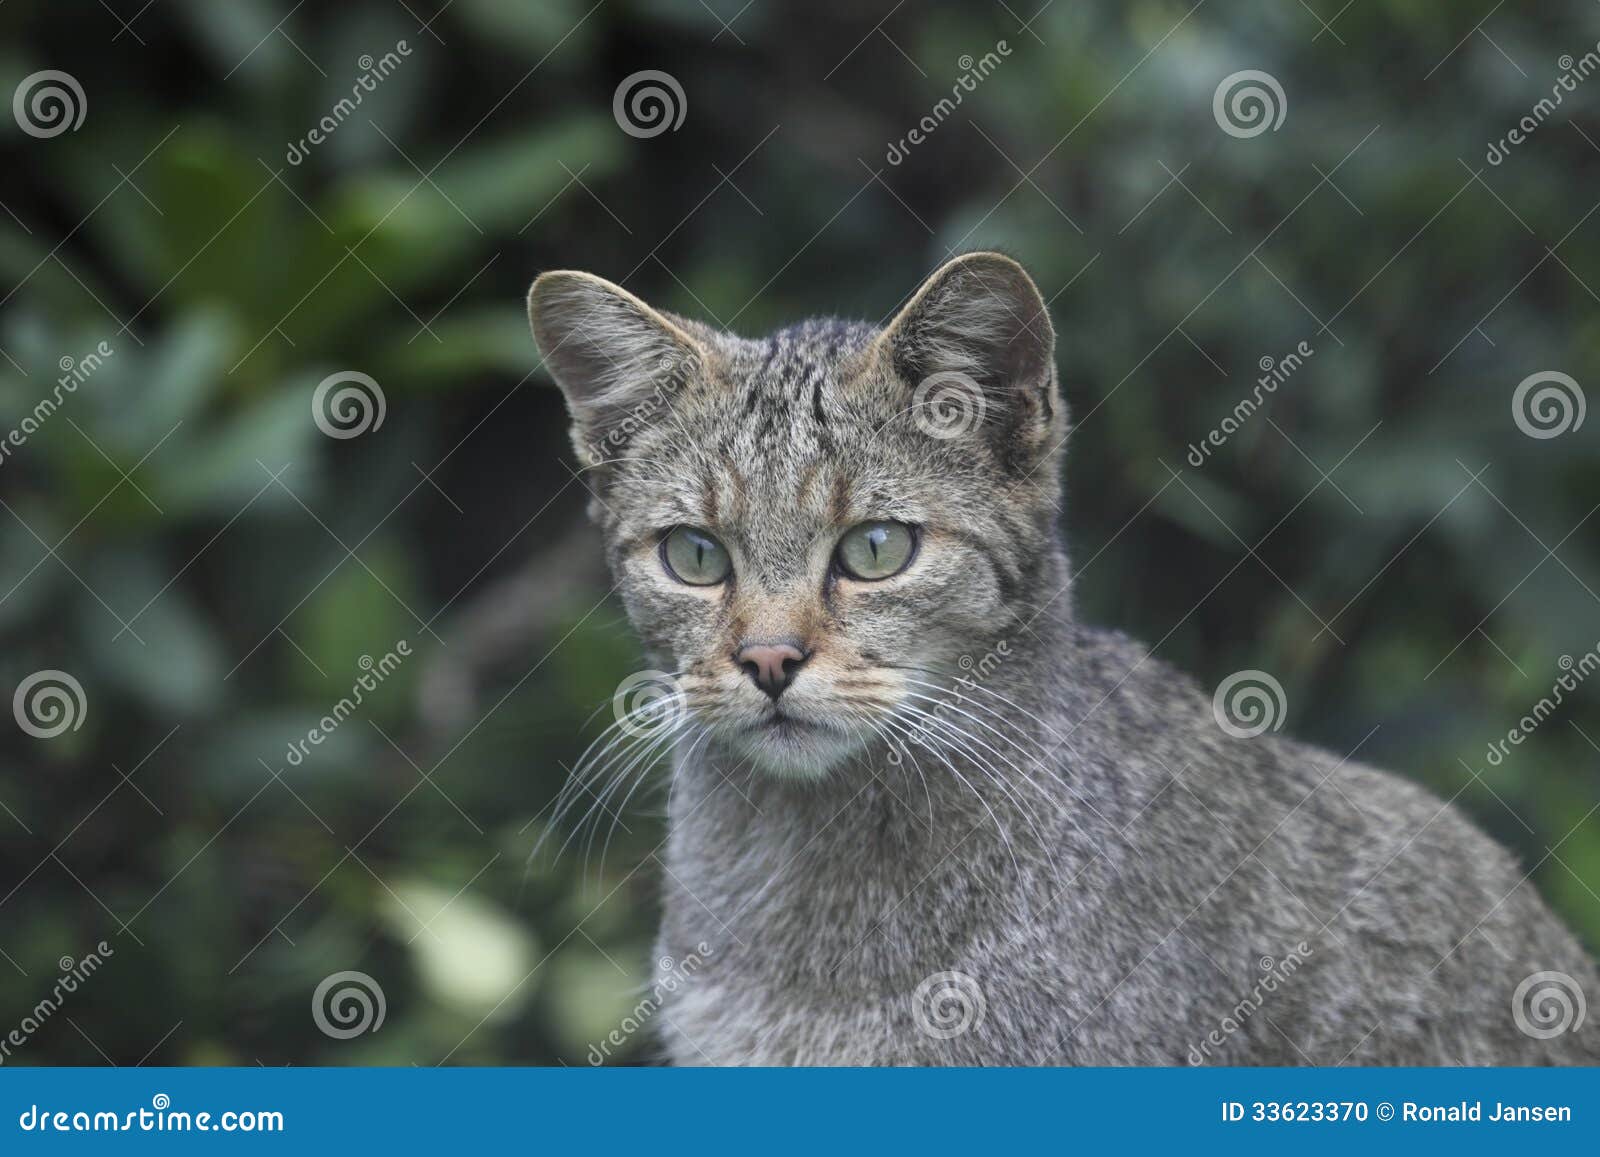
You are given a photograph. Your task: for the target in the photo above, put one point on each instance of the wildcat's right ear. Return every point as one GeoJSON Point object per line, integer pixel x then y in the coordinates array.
{"type": "Point", "coordinates": [976, 345]}
{"type": "Point", "coordinates": [610, 353]}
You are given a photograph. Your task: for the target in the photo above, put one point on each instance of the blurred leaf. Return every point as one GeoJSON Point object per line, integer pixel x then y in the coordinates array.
{"type": "Point", "coordinates": [469, 954]}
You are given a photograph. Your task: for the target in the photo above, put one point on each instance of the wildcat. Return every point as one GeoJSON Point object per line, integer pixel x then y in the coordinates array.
{"type": "Point", "coordinates": [919, 814]}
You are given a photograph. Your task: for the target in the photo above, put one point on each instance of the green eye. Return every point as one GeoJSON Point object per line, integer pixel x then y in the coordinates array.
{"type": "Point", "coordinates": [876, 550]}
{"type": "Point", "coordinates": [694, 557]}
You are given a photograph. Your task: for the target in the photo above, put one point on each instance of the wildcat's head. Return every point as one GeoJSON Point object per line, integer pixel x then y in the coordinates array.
{"type": "Point", "coordinates": [813, 527]}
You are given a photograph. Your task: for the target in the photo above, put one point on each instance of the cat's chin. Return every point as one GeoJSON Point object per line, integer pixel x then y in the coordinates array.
{"type": "Point", "coordinates": [787, 748]}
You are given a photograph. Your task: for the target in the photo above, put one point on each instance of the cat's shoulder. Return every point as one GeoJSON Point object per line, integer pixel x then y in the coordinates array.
{"type": "Point", "coordinates": [1124, 674]}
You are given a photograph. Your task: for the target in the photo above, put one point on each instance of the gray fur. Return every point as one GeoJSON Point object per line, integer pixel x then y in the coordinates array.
{"type": "Point", "coordinates": [1116, 879]}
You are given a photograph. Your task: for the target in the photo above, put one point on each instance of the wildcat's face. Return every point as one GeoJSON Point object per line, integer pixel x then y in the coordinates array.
{"type": "Point", "coordinates": [805, 538]}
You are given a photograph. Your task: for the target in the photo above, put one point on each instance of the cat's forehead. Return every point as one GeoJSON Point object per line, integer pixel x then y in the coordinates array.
{"type": "Point", "coordinates": [780, 390]}
{"type": "Point", "coordinates": [783, 436]}
{"type": "Point", "coordinates": [777, 415]}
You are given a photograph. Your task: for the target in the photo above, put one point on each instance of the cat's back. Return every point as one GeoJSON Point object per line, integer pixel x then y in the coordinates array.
{"type": "Point", "coordinates": [1411, 930]}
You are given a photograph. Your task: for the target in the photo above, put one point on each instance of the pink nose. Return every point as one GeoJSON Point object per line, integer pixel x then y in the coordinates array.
{"type": "Point", "coordinates": [771, 665]}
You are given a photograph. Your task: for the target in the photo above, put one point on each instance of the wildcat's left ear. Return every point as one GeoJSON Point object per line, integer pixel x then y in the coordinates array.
{"type": "Point", "coordinates": [978, 323]}
{"type": "Point", "coordinates": [609, 352]}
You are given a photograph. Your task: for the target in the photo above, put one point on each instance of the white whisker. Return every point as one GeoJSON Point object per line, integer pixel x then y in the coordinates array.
{"type": "Point", "coordinates": [951, 731]}
{"type": "Point", "coordinates": [999, 827]}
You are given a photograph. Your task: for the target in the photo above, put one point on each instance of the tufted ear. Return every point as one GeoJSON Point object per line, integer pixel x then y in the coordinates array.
{"type": "Point", "coordinates": [617, 360]}
{"type": "Point", "coordinates": [976, 346]}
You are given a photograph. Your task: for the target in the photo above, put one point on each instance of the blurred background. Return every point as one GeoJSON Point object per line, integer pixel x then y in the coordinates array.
{"type": "Point", "coordinates": [191, 536]}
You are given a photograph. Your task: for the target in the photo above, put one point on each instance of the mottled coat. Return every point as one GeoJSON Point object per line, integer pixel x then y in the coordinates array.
{"type": "Point", "coordinates": [987, 833]}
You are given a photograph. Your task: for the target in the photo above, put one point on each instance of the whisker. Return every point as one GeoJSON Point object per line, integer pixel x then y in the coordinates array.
{"type": "Point", "coordinates": [1038, 753]}
{"type": "Point", "coordinates": [999, 827]}
{"type": "Point", "coordinates": [644, 756]}
{"type": "Point", "coordinates": [582, 780]}
{"type": "Point", "coordinates": [894, 744]}
{"type": "Point", "coordinates": [1047, 756]}
{"type": "Point", "coordinates": [669, 741]}
{"type": "Point", "coordinates": [695, 745]}
{"type": "Point", "coordinates": [979, 765]}
{"type": "Point", "coordinates": [974, 685]}
{"type": "Point", "coordinates": [967, 736]}
{"type": "Point", "coordinates": [1065, 813]}
{"type": "Point", "coordinates": [956, 691]}
{"type": "Point", "coordinates": [618, 745]}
